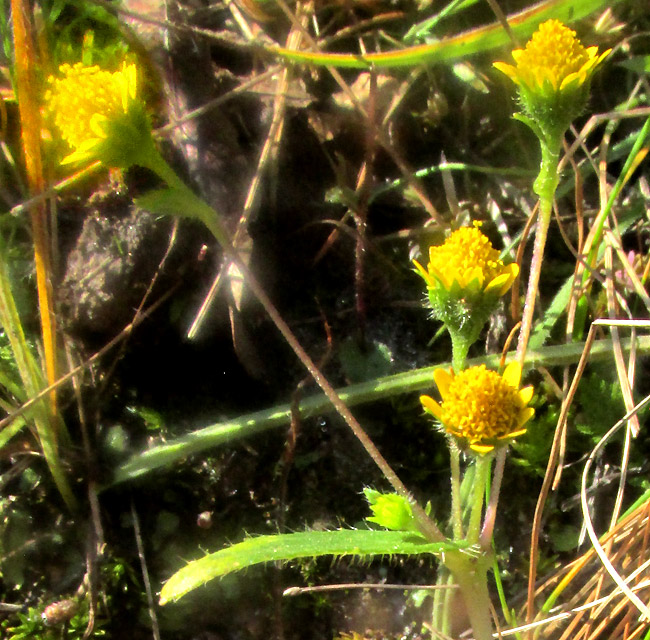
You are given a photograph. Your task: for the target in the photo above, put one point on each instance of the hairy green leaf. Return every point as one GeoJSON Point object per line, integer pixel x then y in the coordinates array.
{"type": "Point", "coordinates": [291, 546]}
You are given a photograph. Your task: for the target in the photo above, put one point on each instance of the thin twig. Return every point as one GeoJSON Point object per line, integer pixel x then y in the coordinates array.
{"type": "Point", "coordinates": [155, 630]}
{"type": "Point", "coordinates": [298, 591]}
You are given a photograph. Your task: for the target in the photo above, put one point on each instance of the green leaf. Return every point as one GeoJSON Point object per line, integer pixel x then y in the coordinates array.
{"type": "Point", "coordinates": [291, 546]}
{"type": "Point", "coordinates": [167, 202]}
{"type": "Point", "coordinates": [543, 330]}
{"type": "Point", "coordinates": [49, 429]}
{"type": "Point", "coordinates": [12, 429]}
{"type": "Point", "coordinates": [638, 64]}
{"type": "Point", "coordinates": [235, 429]}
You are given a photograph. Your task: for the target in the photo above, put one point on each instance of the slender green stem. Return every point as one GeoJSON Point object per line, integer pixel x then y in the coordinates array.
{"type": "Point", "coordinates": [470, 574]}
{"type": "Point", "coordinates": [459, 362]}
{"type": "Point", "coordinates": [491, 509]}
{"type": "Point", "coordinates": [440, 600]}
{"type": "Point", "coordinates": [508, 614]}
{"type": "Point", "coordinates": [474, 587]}
{"type": "Point", "coordinates": [456, 508]}
{"type": "Point", "coordinates": [459, 349]}
{"type": "Point", "coordinates": [448, 597]}
{"type": "Point", "coordinates": [545, 186]}
{"type": "Point", "coordinates": [483, 465]}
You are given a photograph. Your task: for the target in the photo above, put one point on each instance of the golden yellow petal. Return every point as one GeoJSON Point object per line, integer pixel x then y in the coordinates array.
{"type": "Point", "coordinates": [83, 153]}
{"type": "Point", "coordinates": [525, 415]}
{"type": "Point", "coordinates": [512, 268]}
{"type": "Point", "coordinates": [526, 395]}
{"type": "Point", "coordinates": [123, 82]}
{"type": "Point", "coordinates": [431, 405]}
{"type": "Point", "coordinates": [443, 379]}
{"type": "Point", "coordinates": [588, 66]}
{"type": "Point", "coordinates": [131, 73]}
{"type": "Point", "coordinates": [513, 434]}
{"type": "Point", "coordinates": [508, 69]}
{"type": "Point", "coordinates": [517, 54]}
{"type": "Point", "coordinates": [512, 374]}
{"type": "Point", "coordinates": [96, 125]}
{"type": "Point", "coordinates": [513, 271]}
{"type": "Point", "coordinates": [481, 448]}
{"type": "Point", "coordinates": [603, 55]}
{"type": "Point", "coordinates": [499, 285]}
{"type": "Point", "coordinates": [446, 280]}
{"type": "Point", "coordinates": [570, 80]}
{"type": "Point", "coordinates": [424, 273]}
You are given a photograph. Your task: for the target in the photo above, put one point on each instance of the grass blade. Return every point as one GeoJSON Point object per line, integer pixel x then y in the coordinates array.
{"type": "Point", "coordinates": [470, 42]}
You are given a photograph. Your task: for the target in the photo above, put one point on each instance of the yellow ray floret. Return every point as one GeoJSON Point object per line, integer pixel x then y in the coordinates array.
{"type": "Point", "coordinates": [553, 60]}
{"type": "Point", "coordinates": [481, 408]}
{"type": "Point", "coordinates": [468, 260]}
{"type": "Point", "coordinates": [83, 100]}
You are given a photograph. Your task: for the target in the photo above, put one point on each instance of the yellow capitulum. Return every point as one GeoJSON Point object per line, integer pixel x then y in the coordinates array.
{"type": "Point", "coordinates": [553, 56]}
{"type": "Point", "coordinates": [84, 98]}
{"type": "Point", "coordinates": [481, 408]}
{"type": "Point", "coordinates": [468, 258]}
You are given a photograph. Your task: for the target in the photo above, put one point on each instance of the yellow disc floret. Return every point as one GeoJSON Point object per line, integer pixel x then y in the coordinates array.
{"type": "Point", "coordinates": [481, 408]}
{"type": "Point", "coordinates": [81, 97]}
{"type": "Point", "coordinates": [97, 113]}
{"type": "Point", "coordinates": [468, 258]}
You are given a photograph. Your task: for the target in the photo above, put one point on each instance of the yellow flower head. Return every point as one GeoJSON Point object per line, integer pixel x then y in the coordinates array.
{"type": "Point", "coordinates": [467, 261]}
{"type": "Point", "coordinates": [552, 74]}
{"type": "Point", "coordinates": [553, 58]}
{"type": "Point", "coordinates": [97, 113]}
{"type": "Point", "coordinates": [481, 408]}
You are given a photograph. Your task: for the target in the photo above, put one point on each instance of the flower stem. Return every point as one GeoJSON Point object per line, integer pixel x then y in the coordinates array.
{"type": "Point", "coordinates": [459, 349]}
{"type": "Point", "coordinates": [545, 186]}
{"type": "Point", "coordinates": [470, 574]}
{"type": "Point", "coordinates": [491, 508]}
{"type": "Point", "coordinates": [456, 507]}
{"type": "Point", "coordinates": [440, 618]}
{"type": "Point", "coordinates": [483, 464]}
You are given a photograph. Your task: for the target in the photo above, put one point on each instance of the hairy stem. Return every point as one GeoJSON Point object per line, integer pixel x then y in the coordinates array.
{"type": "Point", "coordinates": [544, 187]}
{"type": "Point", "coordinates": [470, 574]}
{"type": "Point", "coordinates": [483, 465]}
{"type": "Point", "coordinates": [456, 507]}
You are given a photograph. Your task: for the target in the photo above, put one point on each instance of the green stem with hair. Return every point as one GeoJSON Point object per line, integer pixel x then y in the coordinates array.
{"type": "Point", "coordinates": [544, 186]}
{"type": "Point", "coordinates": [470, 574]}
{"type": "Point", "coordinates": [481, 475]}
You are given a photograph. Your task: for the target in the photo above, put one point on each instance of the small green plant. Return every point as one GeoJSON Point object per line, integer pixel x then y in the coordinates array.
{"type": "Point", "coordinates": [552, 74]}
{"type": "Point", "coordinates": [101, 117]}
{"type": "Point", "coordinates": [481, 412]}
